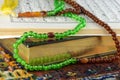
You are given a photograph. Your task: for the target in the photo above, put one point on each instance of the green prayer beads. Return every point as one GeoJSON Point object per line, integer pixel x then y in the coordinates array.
{"type": "Point", "coordinates": [59, 6]}
{"type": "Point", "coordinates": [81, 24]}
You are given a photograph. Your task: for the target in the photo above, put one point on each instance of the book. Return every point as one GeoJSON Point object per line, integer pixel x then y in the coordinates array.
{"type": "Point", "coordinates": [106, 10]}
{"type": "Point", "coordinates": [106, 47]}
{"type": "Point", "coordinates": [54, 51]}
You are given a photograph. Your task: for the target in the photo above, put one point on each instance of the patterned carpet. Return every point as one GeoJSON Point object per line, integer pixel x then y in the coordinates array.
{"type": "Point", "coordinates": [104, 71]}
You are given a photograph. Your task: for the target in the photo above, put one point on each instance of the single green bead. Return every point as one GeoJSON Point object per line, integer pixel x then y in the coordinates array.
{"type": "Point", "coordinates": [39, 36]}
{"type": "Point", "coordinates": [61, 35]}
{"type": "Point", "coordinates": [19, 60]}
{"type": "Point", "coordinates": [49, 67]}
{"type": "Point", "coordinates": [44, 36]}
{"type": "Point", "coordinates": [69, 14]}
{"type": "Point", "coordinates": [57, 4]}
{"type": "Point", "coordinates": [74, 17]}
{"type": "Point", "coordinates": [26, 34]}
{"type": "Point", "coordinates": [59, 38]}
{"type": "Point", "coordinates": [76, 30]}
{"type": "Point", "coordinates": [58, 66]}
{"type": "Point", "coordinates": [46, 68]}
{"type": "Point", "coordinates": [26, 67]}
{"type": "Point", "coordinates": [66, 33]}
{"type": "Point", "coordinates": [23, 62]}
{"type": "Point", "coordinates": [53, 66]}
{"type": "Point", "coordinates": [79, 20]}
{"type": "Point", "coordinates": [61, 64]}
{"type": "Point", "coordinates": [73, 61]}
{"type": "Point", "coordinates": [58, 9]}
{"type": "Point", "coordinates": [31, 68]}
{"type": "Point", "coordinates": [43, 67]}
{"type": "Point", "coordinates": [15, 55]}
{"type": "Point", "coordinates": [56, 34]}
{"type": "Point", "coordinates": [83, 25]}
{"type": "Point", "coordinates": [50, 13]}
{"type": "Point", "coordinates": [23, 38]}
{"type": "Point", "coordinates": [40, 67]}
{"type": "Point", "coordinates": [15, 45]}
{"type": "Point", "coordinates": [35, 35]}
{"type": "Point", "coordinates": [30, 33]}
{"type": "Point", "coordinates": [70, 32]}
{"type": "Point", "coordinates": [65, 15]}
{"type": "Point", "coordinates": [78, 26]}
{"type": "Point", "coordinates": [35, 68]}
{"type": "Point", "coordinates": [18, 42]}
{"type": "Point", "coordinates": [68, 62]}
{"type": "Point", "coordinates": [73, 31]}
{"type": "Point", "coordinates": [16, 51]}
{"type": "Point", "coordinates": [65, 63]}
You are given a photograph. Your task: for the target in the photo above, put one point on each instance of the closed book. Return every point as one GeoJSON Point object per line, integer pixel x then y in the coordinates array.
{"type": "Point", "coordinates": [52, 51]}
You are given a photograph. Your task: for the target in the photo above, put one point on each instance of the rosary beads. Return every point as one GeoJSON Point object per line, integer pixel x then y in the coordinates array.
{"type": "Point", "coordinates": [71, 13]}
{"type": "Point", "coordinates": [44, 36]}
{"type": "Point", "coordinates": [81, 10]}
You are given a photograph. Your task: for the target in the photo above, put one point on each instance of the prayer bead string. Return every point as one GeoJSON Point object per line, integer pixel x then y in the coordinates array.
{"type": "Point", "coordinates": [67, 13]}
